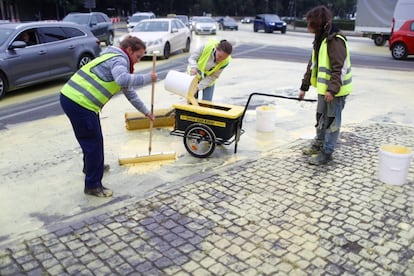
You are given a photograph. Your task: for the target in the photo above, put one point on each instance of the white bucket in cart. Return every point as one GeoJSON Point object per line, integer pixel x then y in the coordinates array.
{"type": "Point", "coordinates": [394, 163]}
{"type": "Point", "coordinates": [181, 83]}
{"type": "Point", "coordinates": [265, 118]}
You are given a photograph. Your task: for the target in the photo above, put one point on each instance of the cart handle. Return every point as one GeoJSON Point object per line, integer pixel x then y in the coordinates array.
{"type": "Point", "coordinates": [272, 95]}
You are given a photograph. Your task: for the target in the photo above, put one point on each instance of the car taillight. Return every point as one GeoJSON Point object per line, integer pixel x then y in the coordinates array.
{"type": "Point", "coordinates": [98, 42]}
{"type": "Point", "coordinates": [392, 26]}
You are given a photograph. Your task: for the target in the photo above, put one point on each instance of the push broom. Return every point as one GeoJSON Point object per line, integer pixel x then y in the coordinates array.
{"type": "Point", "coordinates": [150, 157]}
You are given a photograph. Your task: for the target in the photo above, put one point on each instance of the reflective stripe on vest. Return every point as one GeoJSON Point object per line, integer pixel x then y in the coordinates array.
{"type": "Point", "coordinates": [202, 61]}
{"type": "Point", "coordinates": [87, 89]}
{"type": "Point", "coordinates": [320, 76]}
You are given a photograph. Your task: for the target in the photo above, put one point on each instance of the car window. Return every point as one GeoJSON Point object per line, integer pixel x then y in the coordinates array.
{"type": "Point", "coordinates": [412, 26]}
{"type": "Point", "coordinates": [100, 18]}
{"type": "Point", "coordinates": [178, 24]}
{"type": "Point", "coordinates": [29, 36]}
{"type": "Point", "coordinates": [151, 26]}
{"type": "Point", "coordinates": [4, 35]}
{"type": "Point", "coordinates": [72, 32]}
{"type": "Point", "coordinates": [94, 19]}
{"type": "Point", "coordinates": [77, 18]}
{"type": "Point", "coordinates": [50, 34]}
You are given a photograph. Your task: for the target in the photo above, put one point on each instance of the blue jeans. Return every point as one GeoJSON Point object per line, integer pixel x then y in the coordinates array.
{"type": "Point", "coordinates": [87, 127]}
{"type": "Point", "coordinates": [328, 122]}
{"type": "Point", "coordinates": [207, 93]}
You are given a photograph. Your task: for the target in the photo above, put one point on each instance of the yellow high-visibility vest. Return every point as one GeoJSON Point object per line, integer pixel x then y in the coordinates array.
{"type": "Point", "coordinates": [320, 76]}
{"type": "Point", "coordinates": [87, 89]}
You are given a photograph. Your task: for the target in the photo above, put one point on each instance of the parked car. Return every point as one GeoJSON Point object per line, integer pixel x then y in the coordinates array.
{"type": "Point", "coordinates": [137, 17]}
{"type": "Point", "coordinates": [166, 35]}
{"type": "Point", "coordinates": [269, 23]}
{"type": "Point", "coordinates": [228, 23]}
{"type": "Point", "coordinates": [51, 50]}
{"type": "Point", "coordinates": [401, 42]}
{"type": "Point", "coordinates": [204, 25]}
{"type": "Point", "coordinates": [246, 20]}
{"type": "Point", "coordinates": [97, 22]}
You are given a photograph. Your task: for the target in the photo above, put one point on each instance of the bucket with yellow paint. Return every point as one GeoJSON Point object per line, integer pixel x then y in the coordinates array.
{"type": "Point", "coordinates": [266, 118]}
{"type": "Point", "coordinates": [394, 163]}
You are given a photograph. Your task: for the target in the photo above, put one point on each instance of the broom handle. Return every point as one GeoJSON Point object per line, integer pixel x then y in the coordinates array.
{"type": "Point", "coordinates": [154, 58]}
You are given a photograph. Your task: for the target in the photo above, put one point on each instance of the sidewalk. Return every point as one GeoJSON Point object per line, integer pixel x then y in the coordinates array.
{"type": "Point", "coordinates": [272, 215]}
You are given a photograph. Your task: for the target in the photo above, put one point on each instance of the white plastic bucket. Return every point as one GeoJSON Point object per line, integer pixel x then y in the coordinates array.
{"type": "Point", "coordinates": [181, 83]}
{"type": "Point", "coordinates": [265, 118]}
{"type": "Point", "coordinates": [394, 163]}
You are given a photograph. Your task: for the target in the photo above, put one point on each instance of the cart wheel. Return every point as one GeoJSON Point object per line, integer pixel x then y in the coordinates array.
{"type": "Point", "coordinates": [199, 140]}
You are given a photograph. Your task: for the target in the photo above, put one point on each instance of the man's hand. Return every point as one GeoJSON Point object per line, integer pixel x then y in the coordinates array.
{"type": "Point", "coordinates": [150, 116]}
{"type": "Point", "coordinates": [193, 71]}
{"type": "Point", "coordinates": [301, 94]}
{"type": "Point", "coordinates": [329, 97]}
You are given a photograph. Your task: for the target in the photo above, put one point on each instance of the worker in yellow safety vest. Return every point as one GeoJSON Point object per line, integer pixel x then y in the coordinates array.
{"type": "Point", "coordinates": [329, 70]}
{"type": "Point", "coordinates": [89, 89]}
{"type": "Point", "coordinates": [207, 62]}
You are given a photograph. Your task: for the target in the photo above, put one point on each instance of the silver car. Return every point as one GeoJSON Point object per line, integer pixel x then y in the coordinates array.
{"type": "Point", "coordinates": [204, 25]}
{"type": "Point", "coordinates": [35, 52]}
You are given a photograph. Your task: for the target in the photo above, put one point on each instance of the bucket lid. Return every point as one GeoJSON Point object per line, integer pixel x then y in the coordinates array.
{"type": "Point", "coordinates": [398, 149]}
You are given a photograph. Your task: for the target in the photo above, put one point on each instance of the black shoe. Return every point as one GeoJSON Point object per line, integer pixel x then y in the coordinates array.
{"type": "Point", "coordinates": [106, 168]}
{"type": "Point", "coordinates": [98, 192]}
{"type": "Point", "coordinates": [321, 159]}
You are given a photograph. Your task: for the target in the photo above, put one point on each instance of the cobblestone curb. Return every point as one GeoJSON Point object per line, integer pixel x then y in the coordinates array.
{"type": "Point", "coordinates": [273, 215]}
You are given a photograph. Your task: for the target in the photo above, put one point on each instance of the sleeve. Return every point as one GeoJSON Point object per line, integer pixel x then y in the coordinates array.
{"type": "Point", "coordinates": [306, 77]}
{"type": "Point", "coordinates": [194, 56]}
{"type": "Point", "coordinates": [337, 57]}
{"type": "Point", "coordinates": [129, 82]}
{"type": "Point", "coordinates": [206, 81]}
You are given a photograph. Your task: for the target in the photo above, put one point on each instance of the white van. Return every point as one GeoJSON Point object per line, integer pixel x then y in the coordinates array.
{"type": "Point", "coordinates": [403, 11]}
{"type": "Point", "coordinates": [138, 16]}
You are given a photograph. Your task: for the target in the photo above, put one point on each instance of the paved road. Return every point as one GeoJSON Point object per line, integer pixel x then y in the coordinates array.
{"type": "Point", "coordinates": [259, 212]}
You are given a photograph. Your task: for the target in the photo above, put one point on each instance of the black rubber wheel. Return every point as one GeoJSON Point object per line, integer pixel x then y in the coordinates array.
{"type": "Point", "coordinates": [187, 45]}
{"type": "Point", "coordinates": [167, 50]}
{"type": "Point", "coordinates": [379, 40]}
{"type": "Point", "coordinates": [199, 140]}
{"type": "Point", "coordinates": [84, 59]}
{"type": "Point", "coordinates": [3, 85]}
{"type": "Point", "coordinates": [399, 51]}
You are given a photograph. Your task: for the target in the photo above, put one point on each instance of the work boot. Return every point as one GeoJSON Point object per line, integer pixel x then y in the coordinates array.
{"type": "Point", "coordinates": [320, 159]}
{"type": "Point", "coordinates": [98, 192]}
{"type": "Point", "coordinates": [313, 149]}
{"type": "Point", "coordinates": [106, 168]}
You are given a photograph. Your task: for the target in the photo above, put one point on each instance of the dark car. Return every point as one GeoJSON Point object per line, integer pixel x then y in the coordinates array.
{"type": "Point", "coordinates": [401, 42]}
{"type": "Point", "coordinates": [269, 23]}
{"type": "Point", "coordinates": [228, 23]}
{"type": "Point", "coordinates": [31, 53]}
{"type": "Point", "coordinates": [246, 20]}
{"type": "Point", "coordinates": [97, 22]}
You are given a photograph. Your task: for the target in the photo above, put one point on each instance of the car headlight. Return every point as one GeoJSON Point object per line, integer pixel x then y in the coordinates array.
{"type": "Point", "coordinates": [284, 24]}
{"type": "Point", "coordinates": [214, 27]}
{"type": "Point", "coordinates": [158, 41]}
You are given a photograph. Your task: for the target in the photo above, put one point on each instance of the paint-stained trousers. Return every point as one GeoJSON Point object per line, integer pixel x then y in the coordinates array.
{"type": "Point", "coordinates": [87, 127]}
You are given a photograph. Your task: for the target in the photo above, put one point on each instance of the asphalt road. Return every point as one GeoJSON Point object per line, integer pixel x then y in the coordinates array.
{"type": "Point", "coordinates": [248, 45]}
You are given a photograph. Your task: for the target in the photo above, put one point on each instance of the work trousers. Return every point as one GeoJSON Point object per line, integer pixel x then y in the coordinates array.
{"type": "Point", "coordinates": [87, 127]}
{"type": "Point", "coordinates": [328, 122]}
{"type": "Point", "coordinates": [207, 93]}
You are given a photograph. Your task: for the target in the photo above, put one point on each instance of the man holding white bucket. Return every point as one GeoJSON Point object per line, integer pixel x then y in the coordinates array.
{"type": "Point", "coordinates": [207, 62]}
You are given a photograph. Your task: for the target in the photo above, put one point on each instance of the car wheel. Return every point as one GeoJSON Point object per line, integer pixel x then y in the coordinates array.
{"type": "Point", "coordinates": [187, 45]}
{"type": "Point", "coordinates": [399, 51]}
{"type": "Point", "coordinates": [3, 85]}
{"type": "Point", "coordinates": [110, 40]}
{"type": "Point", "coordinates": [167, 50]}
{"type": "Point", "coordinates": [84, 59]}
{"type": "Point", "coordinates": [379, 40]}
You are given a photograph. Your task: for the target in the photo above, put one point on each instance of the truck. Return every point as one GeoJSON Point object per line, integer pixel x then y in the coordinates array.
{"type": "Point", "coordinates": [374, 19]}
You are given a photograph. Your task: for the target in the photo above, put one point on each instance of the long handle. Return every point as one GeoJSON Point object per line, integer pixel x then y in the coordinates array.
{"type": "Point", "coordinates": [154, 58]}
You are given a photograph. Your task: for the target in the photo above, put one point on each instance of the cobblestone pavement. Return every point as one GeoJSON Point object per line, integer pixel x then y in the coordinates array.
{"type": "Point", "coordinates": [274, 215]}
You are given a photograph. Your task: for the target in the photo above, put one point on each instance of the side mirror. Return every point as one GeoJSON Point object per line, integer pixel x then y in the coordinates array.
{"type": "Point", "coordinates": [17, 44]}
{"type": "Point", "coordinates": [174, 30]}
